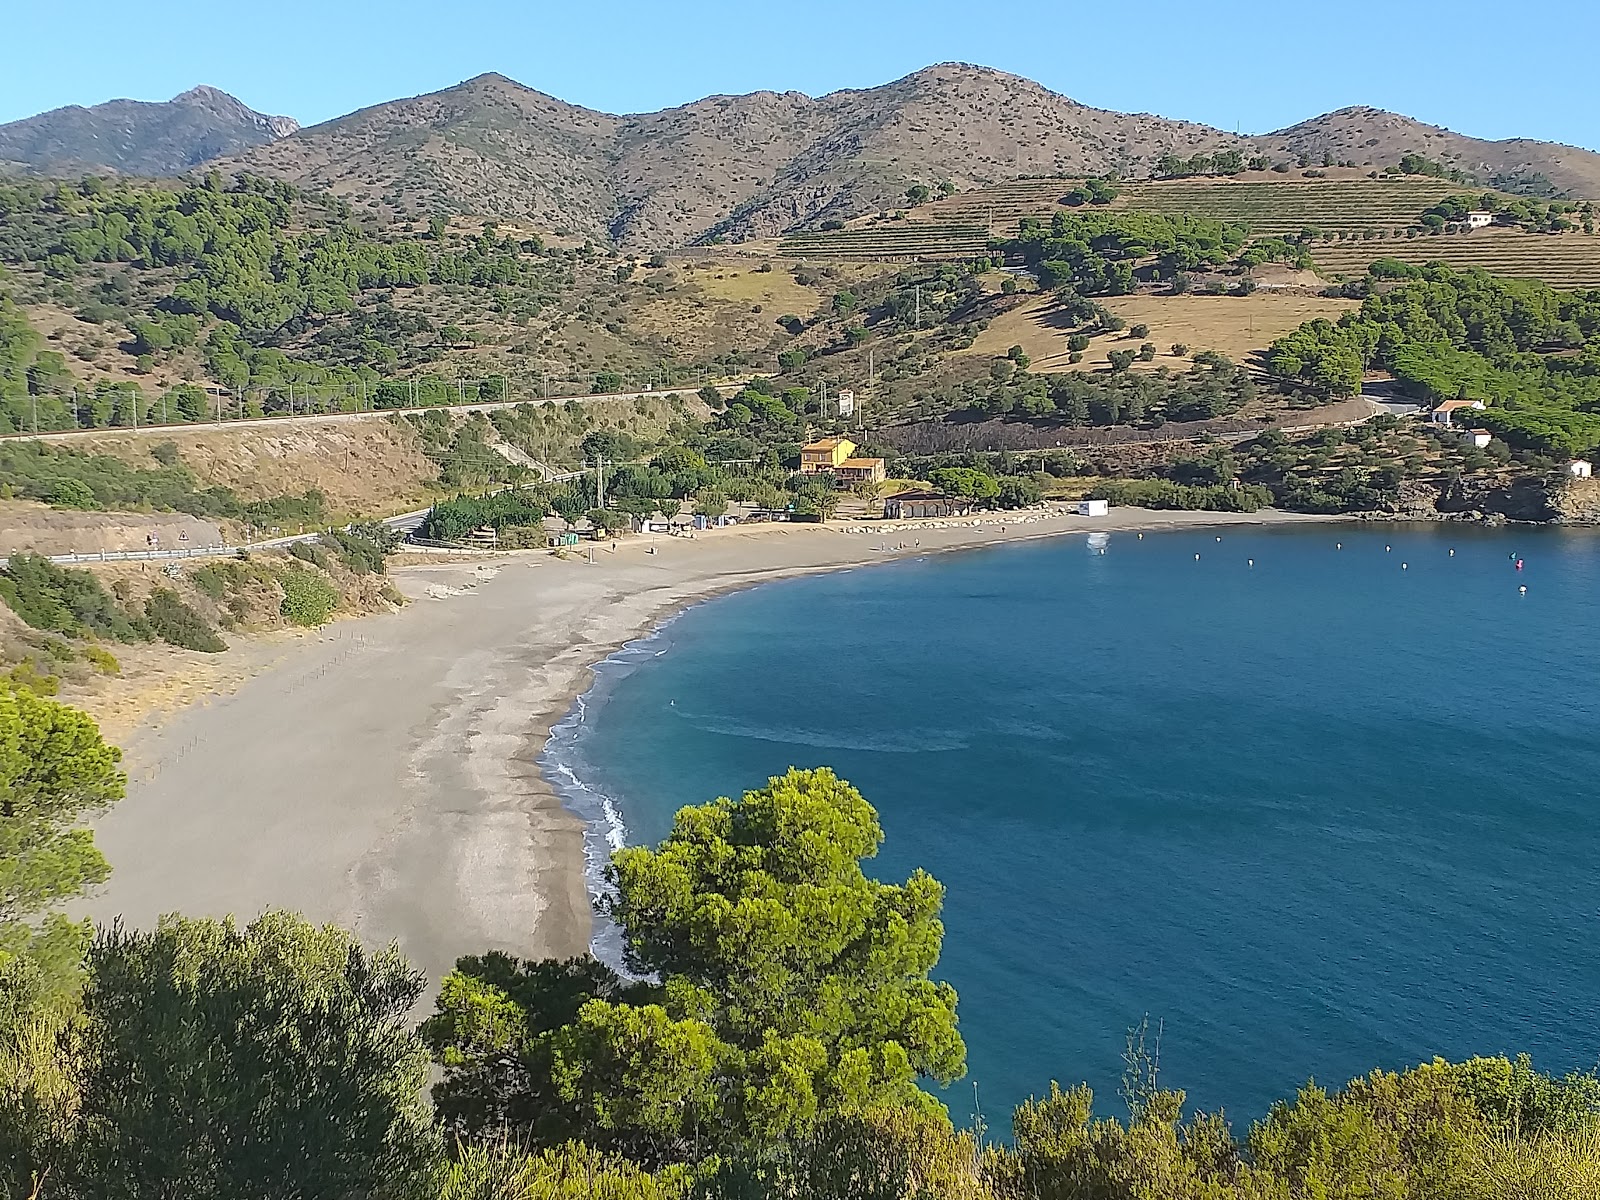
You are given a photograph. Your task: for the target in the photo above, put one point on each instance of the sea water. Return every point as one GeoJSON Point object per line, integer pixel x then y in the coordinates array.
{"type": "Point", "coordinates": [1316, 800]}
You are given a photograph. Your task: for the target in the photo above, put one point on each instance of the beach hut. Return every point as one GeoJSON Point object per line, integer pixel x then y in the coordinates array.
{"type": "Point", "coordinates": [1093, 508]}
{"type": "Point", "coordinates": [1580, 468]}
{"type": "Point", "coordinates": [925, 502]}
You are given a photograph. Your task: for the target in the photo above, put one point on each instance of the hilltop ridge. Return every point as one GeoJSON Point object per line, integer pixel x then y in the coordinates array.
{"type": "Point", "coordinates": [139, 137]}
{"type": "Point", "coordinates": [736, 167]}
{"type": "Point", "coordinates": [766, 163]}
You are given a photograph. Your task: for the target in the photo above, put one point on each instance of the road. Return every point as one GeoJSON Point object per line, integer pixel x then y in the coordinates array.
{"type": "Point", "coordinates": [405, 524]}
{"type": "Point", "coordinates": [65, 435]}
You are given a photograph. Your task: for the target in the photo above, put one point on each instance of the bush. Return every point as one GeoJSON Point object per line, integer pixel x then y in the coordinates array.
{"type": "Point", "coordinates": [1140, 331]}
{"type": "Point", "coordinates": [1179, 350]}
{"type": "Point", "coordinates": [308, 598]}
{"type": "Point", "coordinates": [102, 660]}
{"type": "Point", "coordinates": [175, 623]}
{"type": "Point", "coordinates": [306, 552]}
{"type": "Point", "coordinates": [71, 493]}
{"type": "Point", "coordinates": [63, 600]}
{"type": "Point", "coordinates": [364, 547]}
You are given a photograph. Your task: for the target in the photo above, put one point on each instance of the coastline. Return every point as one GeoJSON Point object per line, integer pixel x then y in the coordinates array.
{"type": "Point", "coordinates": [387, 774]}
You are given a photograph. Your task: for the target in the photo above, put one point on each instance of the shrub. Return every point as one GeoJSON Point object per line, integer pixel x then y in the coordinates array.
{"type": "Point", "coordinates": [308, 598]}
{"type": "Point", "coordinates": [1179, 350]}
{"type": "Point", "coordinates": [102, 660]}
{"type": "Point", "coordinates": [71, 493]}
{"type": "Point", "coordinates": [1139, 331]}
{"type": "Point", "coordinates": [63, 600]}
{"type": "Point", "coordinates": [306, 552]}
{"type": "Point", "coordinates": [210, 581]}
{"type": "Point", "coordinates": [175, 623]}
{"type": "Point", "coordinates": [364, 547]}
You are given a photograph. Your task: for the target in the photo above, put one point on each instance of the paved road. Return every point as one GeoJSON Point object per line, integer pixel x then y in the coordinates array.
{"type": "Point", "coordinates": [62, 435]}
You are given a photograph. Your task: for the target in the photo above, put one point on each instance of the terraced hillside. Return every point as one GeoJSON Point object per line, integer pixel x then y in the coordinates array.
{"type": "Point", "coordinates": [959, 226]}
{"type": "Point", "coordinates": [1566, 260]}
{"type": "Point", "coordinates": [1268, 204]}
{"type": "Point", "coordinates": [1288, 206]}
{"type": "Point", "coordinates": [892, 241]}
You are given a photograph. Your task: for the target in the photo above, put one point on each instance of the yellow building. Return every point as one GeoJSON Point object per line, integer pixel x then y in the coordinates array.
{"type": "Point", "coordinates": [827, 454]}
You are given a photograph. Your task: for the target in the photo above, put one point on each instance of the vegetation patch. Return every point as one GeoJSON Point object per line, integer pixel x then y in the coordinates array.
{"type": "Point", "coordinates": [178, 624]}
{"type": "Point", "coordinates": [308, 597]}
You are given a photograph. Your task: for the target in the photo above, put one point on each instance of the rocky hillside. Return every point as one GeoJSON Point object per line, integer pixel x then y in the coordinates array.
{"type": "Point", "coordinates": [743, 166]}
{"type": "Point", "coordinates": [1373, 136]}
{"type": "Point", "coordinates": [137, 137]}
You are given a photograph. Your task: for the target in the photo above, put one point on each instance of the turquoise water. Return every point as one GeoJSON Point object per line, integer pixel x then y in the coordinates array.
{"type": "Point", "coordinates": [1318, 814]}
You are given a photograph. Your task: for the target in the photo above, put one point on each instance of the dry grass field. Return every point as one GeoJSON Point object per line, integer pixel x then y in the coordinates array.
{"type": "Point", "coordinates": [1233, 325]}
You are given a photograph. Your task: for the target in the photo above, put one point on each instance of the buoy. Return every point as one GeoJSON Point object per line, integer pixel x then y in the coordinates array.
{"type": "Point", "coordinates": [1141, 537]}
{"type": "Point", "coordinates": [1386, 549]}
{"type": "Point", "coordinates": [1403, 566]}
{"type": "Point", "coordinates": [1251, 561]}
{"type": "Point", "coordinates": [1197, 558]}
{"type": "Point", "coordinates": [1452, 552]}
{"type": "Point", "coordinates": [1519, 564]}
{"type": "Point", "coordinates": [1102, 549]}
{"type": "Point", "coordinates": [1338, 545]}
{"type": "Point", "coordinates": [1219, 537]}
{"type": "Point", "coordinates": [1523, 590]}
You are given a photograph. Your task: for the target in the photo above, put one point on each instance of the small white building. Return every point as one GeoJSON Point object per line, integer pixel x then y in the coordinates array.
{"type": "Point", "coordinates": [1477, 438]}
{"type": "Point", "coordinates": [1442, 412]}
{"type": "Point", "coordinates": [1479, 219]}
{"type": "Point", "coordinates": [1580, 468]}
{"type": "Point", "coordinates": [1092, 508]}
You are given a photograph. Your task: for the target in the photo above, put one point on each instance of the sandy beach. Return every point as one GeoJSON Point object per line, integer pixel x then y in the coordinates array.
{"type": "Point", "coordinates": [383, 775]}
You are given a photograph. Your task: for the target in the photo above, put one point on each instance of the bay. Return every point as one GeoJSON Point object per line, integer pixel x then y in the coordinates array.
{"type": "Point", "coordinates": [1316, 801]}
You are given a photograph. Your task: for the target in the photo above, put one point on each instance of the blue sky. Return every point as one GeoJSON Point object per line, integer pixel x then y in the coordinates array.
{"type": "Point", "coordinates": [1475, 66]}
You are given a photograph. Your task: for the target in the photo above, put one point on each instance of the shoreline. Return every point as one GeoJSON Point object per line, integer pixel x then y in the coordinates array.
{"type": "Point", "coordinates": [388, 774]}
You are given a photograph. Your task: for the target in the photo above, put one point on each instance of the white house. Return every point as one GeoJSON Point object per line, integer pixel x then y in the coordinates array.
{"type": "Point", "coordinates": [1092, 508]}
{"type": "Point", "coordinates": [1479, 219]}
{"type": "Point", "coordinates": [1478, 438]}
{"type": "Point", "coordinates": [1441, 413]}
{"type": "Point", "coordinates": [1580, 468]}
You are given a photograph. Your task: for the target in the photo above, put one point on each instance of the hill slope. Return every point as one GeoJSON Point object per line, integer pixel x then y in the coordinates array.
{"type": "Point", "coordinates": [769, 163]}
{"type": "Point", "coordinates": [1371, 135]}
{"type": "Point", "coordinates": [138, 137]}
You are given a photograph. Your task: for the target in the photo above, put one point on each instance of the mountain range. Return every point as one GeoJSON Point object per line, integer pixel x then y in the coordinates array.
{"type": "Point", "coordinates": [738, 167]}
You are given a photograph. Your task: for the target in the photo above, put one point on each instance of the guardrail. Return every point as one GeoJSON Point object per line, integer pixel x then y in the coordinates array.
{"type": "Point", "coordinates": [147, 555]}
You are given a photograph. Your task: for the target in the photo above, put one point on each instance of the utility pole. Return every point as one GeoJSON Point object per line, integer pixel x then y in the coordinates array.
{"type": "Point", "coordinates": [34, 400]}
{"type": "Point", "coordinates": [133, 398]}
{"type": "Point", "coordinates": [600, 481]}
{"type": "Point", "coordinates": [917, 291]}
{"type": "Point", "coordinates": [872, 378]}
